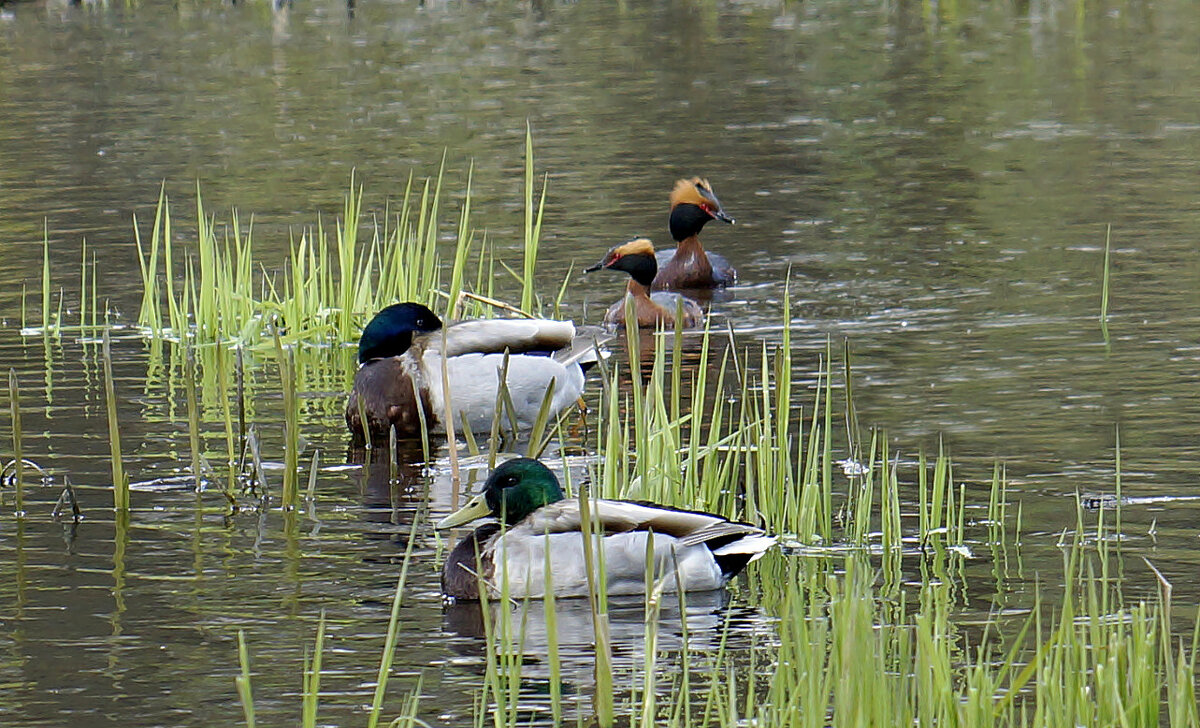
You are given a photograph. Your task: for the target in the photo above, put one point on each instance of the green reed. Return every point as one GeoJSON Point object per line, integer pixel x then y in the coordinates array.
{"type": "Point", "coordinates": [1105, 279]}
{"type": "Point", "coordinates": [14, 408]}
{"type": "Point", "coordinates": [242, 681]}
{"type": "Point", "coordinates": [312, 678]}
{"type": "Point", "coordinates": [331, 280]}
{"type": "Point", "coordinates": [46, 325]}
{"type": "Point", "coordinates": [193, 411]}
{"type": "Point", "coordinates": [291, 425]}
{"type": "Point", "coordinates": [393, 632]}
{"type": "Point", "coordinates": [533, 226]}
{"type": "Point", "coordinates": [852, 649]}
{"type": "Point", "coordinates": [119, 477]}
{"type": "Point", "coordinates": [738, 434]}
{"type": "Point", "coordinates": [312, 667]}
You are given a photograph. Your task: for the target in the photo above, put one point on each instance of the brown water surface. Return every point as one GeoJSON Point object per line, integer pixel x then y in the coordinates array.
{"type": "Point", "coordinates": [937, 187]}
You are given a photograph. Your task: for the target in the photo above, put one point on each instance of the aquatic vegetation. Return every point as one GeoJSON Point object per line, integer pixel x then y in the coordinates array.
{"type": "Point", "coordinates": [310, 701]}
{"type": "Point", "coordinates": [120, 480]}
{"type": "Point", "coordinates": [331, 281]}
{"type": "Point", "coordinates": [866, 600]}
{"type": "Point", "coordinates": [18, 460]}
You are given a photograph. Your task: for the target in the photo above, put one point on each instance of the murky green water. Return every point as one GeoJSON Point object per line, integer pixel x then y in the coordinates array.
{"type": "Point", "coordinates": [938, 188]}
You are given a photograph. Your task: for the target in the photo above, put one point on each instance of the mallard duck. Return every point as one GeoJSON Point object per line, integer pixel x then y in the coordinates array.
{"type": "Point", "coordinates": [636, 258]}
{"type": "Point", "coordinates": [399, 376]}
{"type": "Point", "coordinates": [689, 265]}
{"type": "Point", "coordinates": [692, 551]}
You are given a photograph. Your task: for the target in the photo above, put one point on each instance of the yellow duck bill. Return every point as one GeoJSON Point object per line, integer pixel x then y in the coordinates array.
{"type": "Point", "coordinates": [475, 509]}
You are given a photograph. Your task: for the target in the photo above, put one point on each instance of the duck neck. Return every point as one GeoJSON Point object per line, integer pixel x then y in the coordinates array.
{"type": "Point", "coordinates": [690, 247]}
{"type": "Point", "coordinates": [372, 345]}
{"type": "Point", "coordinates": [638, 290]}
{"type": "Point", "coordinates": [686, 221]}
{"type": "Point", "coordinates": [641, 268]}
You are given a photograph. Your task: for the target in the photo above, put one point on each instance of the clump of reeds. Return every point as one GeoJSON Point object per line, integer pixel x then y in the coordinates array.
{"type": "Point", "coordinates": [331, 280]}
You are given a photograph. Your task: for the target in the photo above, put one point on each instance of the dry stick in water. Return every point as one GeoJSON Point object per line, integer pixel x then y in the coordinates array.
{"type": "Point", "coordinates": [67, 497]}
{"type": "Point", "coordinates": [490, 302]}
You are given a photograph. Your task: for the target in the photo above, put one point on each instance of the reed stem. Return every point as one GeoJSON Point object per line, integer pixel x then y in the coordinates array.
{"type": "Point", "coordinates": [120, 479]}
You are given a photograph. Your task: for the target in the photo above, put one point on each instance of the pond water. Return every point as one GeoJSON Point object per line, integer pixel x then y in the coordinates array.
{"type": "Point", "coordinates": [936, 183]}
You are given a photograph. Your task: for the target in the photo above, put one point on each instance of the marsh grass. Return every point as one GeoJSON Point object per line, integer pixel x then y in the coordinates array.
{"type": "Point", "coordinates": [852, 649]}
{"type": "Point", "coordinates": [209, 308]}
{"type": "Point", "coordinates": [702, 420]}
{"type": "Point", "coordinates": [214, 291]}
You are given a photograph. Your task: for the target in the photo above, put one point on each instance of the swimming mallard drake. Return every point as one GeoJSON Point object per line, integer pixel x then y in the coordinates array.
{"type": "Point", "coordinates": [689, 265]}
{"type": "Point", "coordinates": [400, 370]}
{"type": "Point", "coordinates": [636, 258]}
{"type": "Point", "coordinates": [707, 550]}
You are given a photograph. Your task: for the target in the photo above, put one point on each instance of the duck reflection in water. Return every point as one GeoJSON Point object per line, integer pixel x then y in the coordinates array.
{"type": "Point", "coordinates": [396, 486]}
{"type": "Point", "coordinates": [522, 626]}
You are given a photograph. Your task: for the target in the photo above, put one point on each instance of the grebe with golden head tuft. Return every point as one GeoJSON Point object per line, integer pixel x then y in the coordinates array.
{"type": "Point", "coordinates": [689, 265]}
{"type": "Point", "coordinates": [660, 308]}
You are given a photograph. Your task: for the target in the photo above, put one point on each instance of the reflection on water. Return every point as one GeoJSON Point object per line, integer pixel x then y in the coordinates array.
{"type": "Point", "coordinates": [693, 631]}
{"type": "Point", "coordinates": [932, 187]}
{"type": "Point", "coordinates": [523, 627]}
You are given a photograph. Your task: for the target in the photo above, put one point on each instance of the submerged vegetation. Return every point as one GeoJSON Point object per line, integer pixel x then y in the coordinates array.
{"type": "Point", "coordinates": [866, 594]}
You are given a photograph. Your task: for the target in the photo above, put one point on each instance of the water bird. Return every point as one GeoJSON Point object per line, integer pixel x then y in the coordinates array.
{"type": "Point", "coordinates": [399, 379]}
{"type": "Point", "coordinates": [692, 551]}
{"type": "Point", "coordinates": [660, 308]}
{"type": "Point", "coordinates": [689, 266]}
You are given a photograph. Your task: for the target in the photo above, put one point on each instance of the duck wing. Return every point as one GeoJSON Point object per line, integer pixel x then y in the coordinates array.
{"type": "Point", "coordinates": [475, 381]}
{"type": "Point", "coordinates": [689, 527]}
{"type": "Point", "coordinates": [705, 550]}
{"type": "Point", "coordinates": [586, 348]}
{"type": "Point", "coordinates": [723, 273]}
{"type": "Point", "coordinates": [494, 336]}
